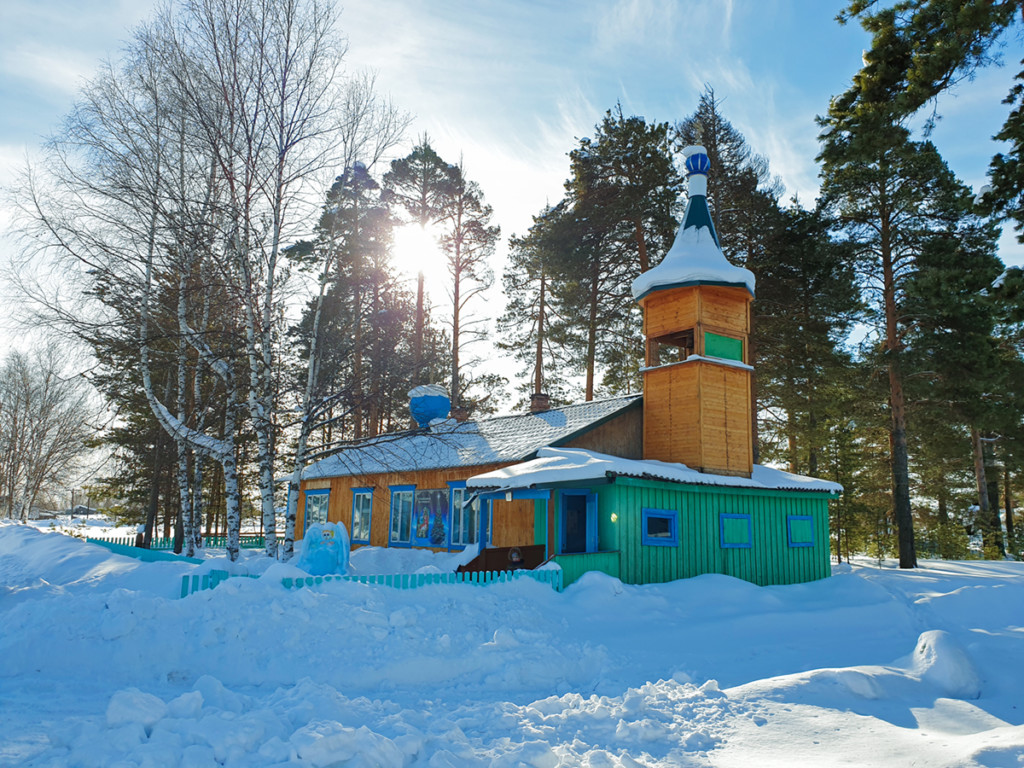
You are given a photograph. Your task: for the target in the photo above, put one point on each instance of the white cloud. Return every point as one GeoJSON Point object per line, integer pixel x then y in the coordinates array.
{"type": "Point", "coordinates": [47, 68]}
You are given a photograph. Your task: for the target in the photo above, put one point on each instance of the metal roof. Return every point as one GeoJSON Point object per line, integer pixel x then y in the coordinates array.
{"type": "Point", "coordinates": [553, 466]}
{"type": "Point", "coordinates": [498, 440]}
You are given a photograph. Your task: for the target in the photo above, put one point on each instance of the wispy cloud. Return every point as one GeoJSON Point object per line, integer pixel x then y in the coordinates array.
{"type": "Point", "coordinates": [46, 67]}
{"type": "Point", "coordinates": [630, 24]}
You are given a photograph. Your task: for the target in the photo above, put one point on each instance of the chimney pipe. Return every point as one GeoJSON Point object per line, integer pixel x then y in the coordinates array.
{"type": "Point", "coordinates": [539, 402]}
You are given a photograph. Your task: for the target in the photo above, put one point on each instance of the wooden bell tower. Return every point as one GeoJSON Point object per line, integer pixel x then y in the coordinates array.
{"type": "Point", "coordinates": [697, 376]}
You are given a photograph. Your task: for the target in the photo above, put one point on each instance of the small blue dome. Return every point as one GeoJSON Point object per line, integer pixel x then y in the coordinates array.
{"type": "Point", "coordinates": [698, 163]}
{"type": "Point", "coordinates": [427, 403]}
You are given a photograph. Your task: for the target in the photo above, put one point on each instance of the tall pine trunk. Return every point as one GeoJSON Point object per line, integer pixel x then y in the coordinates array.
{"type": "Point", "coordinates": [538, 365]}
{"type": "Point", "coordinates": [900, 463]}
{"type": "Point", "coordinates": [592, 333]}
{"type": "Point", "coordinates": [1011, 537]}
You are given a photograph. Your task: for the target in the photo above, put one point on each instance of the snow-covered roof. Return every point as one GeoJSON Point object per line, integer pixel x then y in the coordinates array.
{"type": "Point", "coordinates": [695, 257]}
{"type": "Point", "coordinates": [473, 443]}
{"type": "Point", "coordinates": [562, 465]}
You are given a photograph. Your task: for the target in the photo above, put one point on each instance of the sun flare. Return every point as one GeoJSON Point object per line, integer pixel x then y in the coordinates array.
{"type": "Point", "coordinates": [416, 249]}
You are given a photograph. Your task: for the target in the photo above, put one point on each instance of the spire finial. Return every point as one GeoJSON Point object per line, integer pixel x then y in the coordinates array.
{"type": "Point", "coordinates": [697, 165]}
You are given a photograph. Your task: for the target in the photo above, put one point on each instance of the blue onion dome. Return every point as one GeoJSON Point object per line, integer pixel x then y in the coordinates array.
{"type": "Point", "coordinates": [428, 402]}
{"type": "Point", "coordinates": [698, 162]}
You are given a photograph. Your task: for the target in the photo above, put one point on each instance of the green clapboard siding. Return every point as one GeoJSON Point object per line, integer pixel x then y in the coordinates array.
{"type": "Point", "coordinates": [723, 346]}
{"type": "Point", "coordinates": [574, 566]}
{"type": "Point", "coordinates": [769, 560]}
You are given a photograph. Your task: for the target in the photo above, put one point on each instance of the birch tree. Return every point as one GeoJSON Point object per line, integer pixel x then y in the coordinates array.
{"type": "Point", "coordinates": [192, 158]}
{"type": "Point", "coordinates": [44, 427]}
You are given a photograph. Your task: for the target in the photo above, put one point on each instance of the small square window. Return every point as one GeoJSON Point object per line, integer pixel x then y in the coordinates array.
{"type": "Point", "coordinates": [659, 528]}
{"type": "Point", "coordinates": [800, 530]}
{"type": "Point", "coordinates": [735, 531]}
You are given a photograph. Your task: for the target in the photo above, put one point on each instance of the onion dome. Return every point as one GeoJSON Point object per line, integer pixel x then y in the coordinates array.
{"type": "Point", "coordinates": [695, 257]}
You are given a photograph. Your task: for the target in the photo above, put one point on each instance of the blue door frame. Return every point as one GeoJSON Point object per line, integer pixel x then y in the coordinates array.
{"type": "Point", "coordinates": [591, 519]}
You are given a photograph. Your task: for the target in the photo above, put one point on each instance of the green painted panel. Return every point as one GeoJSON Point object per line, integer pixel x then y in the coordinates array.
{"type": "Point", "coordinates": [574, 566]}
{"type": "Point", "coordinates": [801, 531]}
{"type": "Point", "coordinates": [723, 346]}
{"type": "Point", "coordinates": [736, 531]}
{"type": "Point", "coordinates": [607, 528]}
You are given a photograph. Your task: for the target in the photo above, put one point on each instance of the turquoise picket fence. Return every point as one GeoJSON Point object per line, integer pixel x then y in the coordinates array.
{"type": "Point", "coordinates": [245, 541]}
{"type": "Point", "coordinates": [146, 555]}
{"type": "Point", "coordinates": [416, 580]}
{"type": "Point", "coordinates": [197, 583]}
{"type": "Point", "coordinates": [553, 578]}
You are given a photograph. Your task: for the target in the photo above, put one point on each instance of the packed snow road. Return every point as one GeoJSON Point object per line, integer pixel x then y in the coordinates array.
{"type": "Point", "coordinates": [101, 665]}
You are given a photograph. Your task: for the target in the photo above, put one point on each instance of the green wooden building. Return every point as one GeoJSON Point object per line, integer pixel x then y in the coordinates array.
{"type": "Point", "coordinates": [651, 521]}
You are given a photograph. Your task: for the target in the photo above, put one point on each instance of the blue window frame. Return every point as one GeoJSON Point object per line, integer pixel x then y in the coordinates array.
{"type": "Point", "coordinates": [464, 514]}
{"type": "Point", "coordinates": [362, 514]}
{"type": "Point", "coordinates": [401, 515]}
{"type": "Point", "coordinates": [800, 530]}
{"type": "Point", "coordinates": [659, 527]}
{"type": "Point", "coordinates": [577, 522]}
{"type": "Point", "coordinates": [315, 508]}
{"type": "Point", "coordinates": [735, 531]}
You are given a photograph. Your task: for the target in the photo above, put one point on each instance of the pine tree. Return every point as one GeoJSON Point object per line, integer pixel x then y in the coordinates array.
{"type": "Point", "coordinates": [894, 196]}
{"type": "Point", "coordinates": [923, 48]}
{"type": "Point", "coordinates": [531, 311]}
{"type": "Point", "coordinates": [468, 241]}
{"type": "Point", "coordinates": [420, 183]}
{"type": "Point", "coordinates": [807, 300]}
{"type": "Point", "coordinates": [967, 372]}
{"type": "Point", "coordinates": [616, 221]}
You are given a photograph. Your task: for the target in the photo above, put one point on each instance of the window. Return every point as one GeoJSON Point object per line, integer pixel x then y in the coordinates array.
{"type": "Point", "coordinates": [659, 527]}
{"type": "Point", "coordinates": [362, 508]}
{"type": "Point", "coordinates": [670, 348]}
{"type": "Point", "coordinates": [724, 347]}
{"type": "Point", "coordinates": [316, 508]}
{"type": "Point", "coordinates": [735, 531]}
{"type": "Point", "coordinates": [464, 515]}
{"type": "Point", "coordinates": [578, 522]}
{"type": "Point", "coordinates": [800, 530]}
{"type": "Point", "coordinates": [401, 514]}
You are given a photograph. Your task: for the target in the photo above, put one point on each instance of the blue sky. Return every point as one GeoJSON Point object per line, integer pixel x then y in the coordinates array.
{"type": "Point", "coordinates": [509, 85]}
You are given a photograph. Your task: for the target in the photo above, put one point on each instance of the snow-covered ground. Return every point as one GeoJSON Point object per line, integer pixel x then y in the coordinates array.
{"type": "Point", "coordinates": [101, 665]}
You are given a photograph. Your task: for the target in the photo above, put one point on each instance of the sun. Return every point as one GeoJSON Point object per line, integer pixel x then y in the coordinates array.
{"type": "Point", "coordinates": [415, 249]}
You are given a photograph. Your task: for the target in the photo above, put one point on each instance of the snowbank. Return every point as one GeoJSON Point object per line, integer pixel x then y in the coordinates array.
{"type": "Point", "coordinates": [100, 666]}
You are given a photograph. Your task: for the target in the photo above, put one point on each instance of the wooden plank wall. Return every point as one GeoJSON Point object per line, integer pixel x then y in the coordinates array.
{"type": "Point", "coordinates": [725, 309]}
{"type": "Point", "coordinates": [698, 414]}
{"type": "Point", "coordinates": [620, 436]}
{"type": "Point", "coordinates": [769, 561]}
{"type": "Point", "coordinates": [513, 521]}
{"type": "Point", "coordinates": [725, 420]}
{"type": "Point", "coordinates": [671, 414]}
{"type": "Point", "coordinates": [669, 311]}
